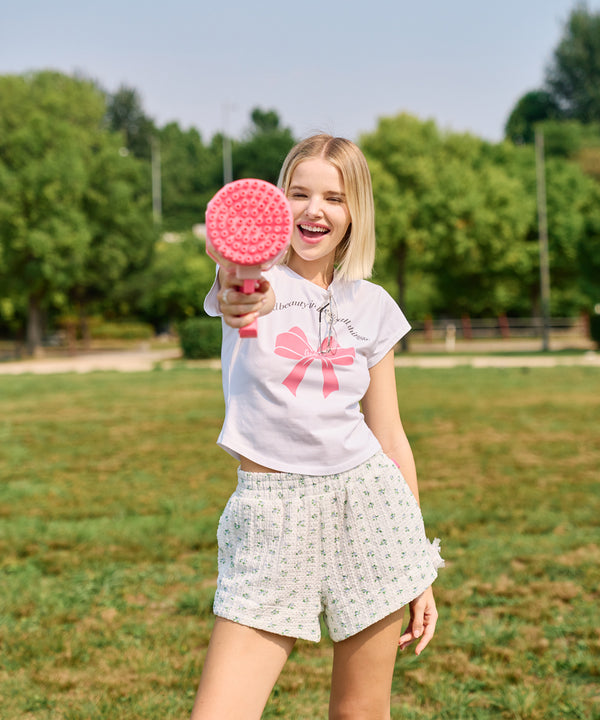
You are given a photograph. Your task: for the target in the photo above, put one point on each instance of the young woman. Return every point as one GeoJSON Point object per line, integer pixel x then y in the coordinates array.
{"type": "Point", "coordinates": [325, 519]}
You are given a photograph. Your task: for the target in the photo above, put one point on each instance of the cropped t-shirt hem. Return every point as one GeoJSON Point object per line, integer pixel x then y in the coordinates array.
{"type": "Point", "coordinates": [322, 469]}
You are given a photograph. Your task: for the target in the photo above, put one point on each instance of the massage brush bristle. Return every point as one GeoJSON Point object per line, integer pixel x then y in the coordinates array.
{"type": "Point", "coordinates": [249, 222]}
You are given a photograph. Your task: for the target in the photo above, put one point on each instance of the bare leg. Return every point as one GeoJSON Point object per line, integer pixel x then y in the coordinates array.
{"type": "Point", "coordinates": [242, 665]}
{"type": "Point", "coordinates": [363, 667]}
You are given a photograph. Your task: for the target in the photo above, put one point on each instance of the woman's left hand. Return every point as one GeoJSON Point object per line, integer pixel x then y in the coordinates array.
{"type": "Point", "coordinates": [423, 618]}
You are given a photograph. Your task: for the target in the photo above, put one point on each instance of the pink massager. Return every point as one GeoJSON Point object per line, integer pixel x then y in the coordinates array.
{"type": "Point", "coordinates": [248, 226]}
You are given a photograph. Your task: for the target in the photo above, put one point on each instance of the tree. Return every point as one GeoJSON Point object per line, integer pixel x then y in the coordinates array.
{"type": "Point", "coordinates": [53, 152]}
{"type": "Point", "coordinates": [193, 172]}
{"type": "Point", "coordinates": [532, 108]}
{"type": "Point", "coordinates": [263, 151]}
{"type": "Point", "coordinates": [400, 155]}
{"type": "Point", "coordinates": [588, 250]}
{"type": "Point", "coordinates": [45, 122]}
{"type": "Point", "coordinates": [448, 210]}
{"type": "Point", "coordinates": [191, 175]}
{"type": "Point", "coordinates": [457, 225]}
{"type": "Point", "coordinates": [173, 287]}
{"type": "Point", "coordinates": [116, 204]}
{"type": "Point", "coordinates": [573, 76]}
{"type": "Point", "coordinates": [125, 114]}
{"type": "Point", "coordinates": [574, 237]}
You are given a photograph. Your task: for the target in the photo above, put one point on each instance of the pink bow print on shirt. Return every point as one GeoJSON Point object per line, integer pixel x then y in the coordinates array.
{"type": "Point", "coordinates": [294, 344]}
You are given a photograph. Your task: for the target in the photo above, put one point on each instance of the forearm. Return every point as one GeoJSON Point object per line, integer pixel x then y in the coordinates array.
{"type": "Point", "coordinates": [380, 407]}
{"type": "Point", "coordinates": [401, 453]}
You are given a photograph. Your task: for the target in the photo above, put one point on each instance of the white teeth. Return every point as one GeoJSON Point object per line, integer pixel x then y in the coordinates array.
{"type": "Point", "coordinates": [312, 228]}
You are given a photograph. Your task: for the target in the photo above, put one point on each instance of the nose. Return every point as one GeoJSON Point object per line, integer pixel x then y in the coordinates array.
{"type": "Point", "coordinates": [314, 207]}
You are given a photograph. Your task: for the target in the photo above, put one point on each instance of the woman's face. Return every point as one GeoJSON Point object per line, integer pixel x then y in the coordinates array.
{"type": "Point", "coordinates": [321, 216]}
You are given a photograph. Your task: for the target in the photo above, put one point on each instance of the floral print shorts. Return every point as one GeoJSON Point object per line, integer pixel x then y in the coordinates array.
{"type": "Point", "coordinates": [350, 547]}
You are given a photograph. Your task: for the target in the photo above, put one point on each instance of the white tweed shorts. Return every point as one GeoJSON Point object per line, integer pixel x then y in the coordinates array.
{"type": "Point", "coordinates": [350, 547]}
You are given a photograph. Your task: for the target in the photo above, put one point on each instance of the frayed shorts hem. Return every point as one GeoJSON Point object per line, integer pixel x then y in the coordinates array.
{"type": "Point", "coordinates": [262, 621]}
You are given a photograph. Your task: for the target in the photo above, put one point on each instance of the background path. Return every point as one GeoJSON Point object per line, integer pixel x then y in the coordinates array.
{"type": "Point", "coordinates": [144, 360]}
{"type": "Point", "coordinates": [123, 361]}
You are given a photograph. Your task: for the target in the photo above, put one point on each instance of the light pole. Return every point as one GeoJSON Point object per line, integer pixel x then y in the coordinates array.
{"type": "Point", "coordinates": [543, 238]}
{"type": "Point", "coordinates": [227, 160]}
{"type": "Point", "coordinates": [156, 180]}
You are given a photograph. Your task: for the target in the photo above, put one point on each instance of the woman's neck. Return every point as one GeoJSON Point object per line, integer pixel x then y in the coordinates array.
{"type": "Point", "coordinates": [321, 275]}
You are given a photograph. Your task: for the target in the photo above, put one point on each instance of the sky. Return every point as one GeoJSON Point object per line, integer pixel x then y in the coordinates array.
{"type": "Point", "coordinates": [324, 65]}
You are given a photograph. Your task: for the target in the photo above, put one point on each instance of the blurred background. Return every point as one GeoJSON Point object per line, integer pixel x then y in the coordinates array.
{"type": "Point", "coordinates": [117, 126]}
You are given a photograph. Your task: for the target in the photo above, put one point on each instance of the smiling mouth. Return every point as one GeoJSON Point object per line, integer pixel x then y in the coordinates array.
{"type": "Point", "coordinates": [312, 233]}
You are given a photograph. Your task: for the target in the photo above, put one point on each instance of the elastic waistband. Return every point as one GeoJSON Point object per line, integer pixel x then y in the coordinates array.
{"type": "Point", "coordinates": [279, 483]}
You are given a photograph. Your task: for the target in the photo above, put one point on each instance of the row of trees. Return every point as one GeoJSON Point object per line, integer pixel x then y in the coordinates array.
{"type": "Point", "coordinates": [77, 235]}
{"type": "Point", "coordinates": [73, 211]}
{"type": "Point", "coordinates": [456, 216]}
{"type": "Point", "coordinates": [463, 239]}
{"type": "Point", "coordinates": [192, 171]}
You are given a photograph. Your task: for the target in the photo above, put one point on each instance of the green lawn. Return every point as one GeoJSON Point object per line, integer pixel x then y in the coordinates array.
{"type": "Point", "coordinates": [110, 490]}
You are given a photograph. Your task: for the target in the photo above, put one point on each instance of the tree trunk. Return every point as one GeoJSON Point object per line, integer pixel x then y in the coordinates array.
{"type": "Point", "coordinates": [84, 324]}
{"type": "Point", "coordinates": [34, 327]}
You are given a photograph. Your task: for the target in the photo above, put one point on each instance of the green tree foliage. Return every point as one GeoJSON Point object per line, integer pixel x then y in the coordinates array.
{"type": "Point", "coordinates": [125, 114]}
{"type": "Point", "coordinates": [447, 210]}
{"type": "Point", "coordinates": [63, 193]}
{"type": "Point", "coordinates": [46, 121]}
{"type": "Point", "coordinates": [573, 213]}
{"type": "Point", "coordinates": [567, 138]}
{"type": "Point", "coordinates": [116, 205]}
{"type": "Point", "coordinates": [191, 175]}
{"type": "Point", "coordinates": [573, 140]}
{"type": "Point", "coordinates": [588, 250]}
{"type": "Point", "coordinates": [534, 107]}
{"type": "Point", "coordinates": [457, 222]}
{"type": "Point", "coordinates": [173, 287]}
{"type": "Point", "coordinates": [573, 76]}
{"type": "Point", "coordinates": [263, 151]}
{"type": "Point", "coordinates": [192, 172]}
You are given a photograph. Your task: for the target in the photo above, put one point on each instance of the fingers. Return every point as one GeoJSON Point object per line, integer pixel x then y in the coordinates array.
{"type": "Point", "coordinates": [408, 637]}
{"type": "Point", "coordinates": [231, 297]}
{"type": "Point", "coordinates": [239, 309]}
{"type": "Point", "coordinates": [423, 620]}
{"type": "Point", "coordinates": [427, 635]}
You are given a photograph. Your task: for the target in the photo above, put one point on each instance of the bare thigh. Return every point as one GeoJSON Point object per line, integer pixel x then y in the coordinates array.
{"type": "Point", "coordinates": [242, 665]}
{"type": "Point", "coordinates": [363, 668]}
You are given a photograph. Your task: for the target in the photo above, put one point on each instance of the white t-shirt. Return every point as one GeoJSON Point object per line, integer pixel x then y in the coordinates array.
{"type": "Point", "coordinates": [292, 395]}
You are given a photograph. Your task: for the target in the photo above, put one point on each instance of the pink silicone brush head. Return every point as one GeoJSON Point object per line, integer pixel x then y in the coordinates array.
{"type": "Point", "coordinates": [248, 223]}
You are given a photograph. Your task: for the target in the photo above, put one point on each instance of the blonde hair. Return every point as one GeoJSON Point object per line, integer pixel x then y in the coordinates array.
{"type": "Point", "coordinates": [355, 255]}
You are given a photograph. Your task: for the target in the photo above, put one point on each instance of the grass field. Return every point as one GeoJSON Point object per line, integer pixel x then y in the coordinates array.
{"type": "Point", "coordinates": [110, 490]}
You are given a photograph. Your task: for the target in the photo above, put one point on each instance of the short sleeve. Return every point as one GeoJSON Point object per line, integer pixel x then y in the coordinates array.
{"type": "Point", "coordinates": [211, 303]}
{"type": "Point", "coordinates": [393, 326]}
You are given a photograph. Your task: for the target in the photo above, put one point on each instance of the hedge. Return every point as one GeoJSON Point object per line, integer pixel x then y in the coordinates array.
{"type": "Point", "coordinates": [595, 328]}
{"type": "Point", "coordinates": [200, 337]}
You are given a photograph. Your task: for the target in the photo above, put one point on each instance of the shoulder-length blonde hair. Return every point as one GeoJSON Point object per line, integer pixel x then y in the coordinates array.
{"type": "Point", "coordinates": [356, 253]}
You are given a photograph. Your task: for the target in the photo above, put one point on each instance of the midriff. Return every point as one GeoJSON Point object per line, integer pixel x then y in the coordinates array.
{"type": "Point", "coordinates": [250, 466]}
